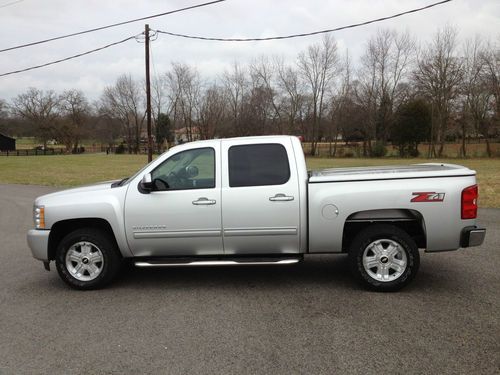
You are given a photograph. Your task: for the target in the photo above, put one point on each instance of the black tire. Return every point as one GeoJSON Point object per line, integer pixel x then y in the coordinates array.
{"type": "Point", "coordinates": [111, 258]}
{"type": "Point", "coordinates": [388, 235]}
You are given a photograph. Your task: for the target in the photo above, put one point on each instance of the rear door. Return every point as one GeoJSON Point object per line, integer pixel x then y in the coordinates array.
{"type": "Point", "coordinates": [260, 197]}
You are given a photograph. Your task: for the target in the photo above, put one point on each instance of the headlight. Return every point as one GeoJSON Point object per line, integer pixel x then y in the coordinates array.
{"type": "Point", "coordinates": [39, 217]}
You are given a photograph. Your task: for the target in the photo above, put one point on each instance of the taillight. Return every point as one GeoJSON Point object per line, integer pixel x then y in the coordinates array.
{"type": "Point", "coordinates": [469, 202]}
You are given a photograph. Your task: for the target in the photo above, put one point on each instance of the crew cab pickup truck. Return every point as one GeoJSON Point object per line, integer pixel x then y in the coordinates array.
{"type": "Point", "coordinates": [251, 201]}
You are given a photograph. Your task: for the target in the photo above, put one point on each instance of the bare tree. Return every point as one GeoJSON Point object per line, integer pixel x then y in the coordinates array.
{"type": "Point", "coordinates": [3, 116]}
{"type": "Point", "coordinates": [103, 126]}
{"type": "Point", "coordinates": [340, 104]}
{"type": "Point", "coordinates": [41, 109]}
{"type": "Point", "coordinates": [263, 74]}
{"type": "Point", "coordinates": [212, 111]}
{"type": "Point", "coordinates": [3, 108]}
{"type": "Point", "coordinates": [184, 88]}
{"type": "Point", "coordinates": [123, 100]}
{"type": "Point", "coordinates": [491, 59]}
{"type": "Point", "coordinates": [438, 77]}
{"type": "Point", "coordinates": [475, 96]}
{"type": "Point", "coordinates": [159, 98]}
{"type": "Point", "coordinates": [318, 66]}
{"type": "Point", "coordinates": [293, 96]}
{"type": "Point", "coordinates": [384, 67]}
{"type": "Point", "coordinates": [74, 109]}
{"type": "Point", "coordinates": [236, 87]}
{"type": "Point", "coordinates": [159, 103]}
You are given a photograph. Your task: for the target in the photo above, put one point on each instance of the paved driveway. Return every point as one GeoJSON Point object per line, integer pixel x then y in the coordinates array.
{"type": "Point", "coordinates": [309, 318]}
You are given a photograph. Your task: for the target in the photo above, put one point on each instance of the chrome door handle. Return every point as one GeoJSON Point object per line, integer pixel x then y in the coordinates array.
{"type": "Point", "coordinates": [281, 198]}
{"type": "Point", "coordinates": [204, 202]}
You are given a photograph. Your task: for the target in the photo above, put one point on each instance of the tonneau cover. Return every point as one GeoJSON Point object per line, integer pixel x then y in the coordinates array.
{"type": "Point", "coordinates": [389, 172]}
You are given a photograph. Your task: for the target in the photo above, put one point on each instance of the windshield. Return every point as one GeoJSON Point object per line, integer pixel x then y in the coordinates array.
{"type": "Point", "coordinates": [128, 179]}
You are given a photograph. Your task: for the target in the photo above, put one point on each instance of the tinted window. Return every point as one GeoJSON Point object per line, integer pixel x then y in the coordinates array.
{"type": "Point", "coordinates": [190, 169]}
{"type": "Point", "coordinates": [255, 165]}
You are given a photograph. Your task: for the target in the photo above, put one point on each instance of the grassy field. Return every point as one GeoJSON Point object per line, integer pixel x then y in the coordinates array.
{"type": "Point", "coordinates": [73, 170]}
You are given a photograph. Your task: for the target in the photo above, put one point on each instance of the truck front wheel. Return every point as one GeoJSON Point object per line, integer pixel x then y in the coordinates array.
{"type": "Point", "coordinates": [87, 258]}
{"type": "Point", "coordinates": [384, 258]}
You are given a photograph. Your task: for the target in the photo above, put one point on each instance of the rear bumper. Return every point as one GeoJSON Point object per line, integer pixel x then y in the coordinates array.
{"type": "Point", "coordinates": [472, 236]}
{"type": "Point", "coordinates": [38, 241]}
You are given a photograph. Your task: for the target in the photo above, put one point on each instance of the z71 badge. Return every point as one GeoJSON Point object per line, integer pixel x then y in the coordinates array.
{"type": "Point", "coordinates": [428, 197]}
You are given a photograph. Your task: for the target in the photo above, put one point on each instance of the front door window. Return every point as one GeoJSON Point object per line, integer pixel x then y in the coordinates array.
{"type": "Point", "coordinates": [191, 169]}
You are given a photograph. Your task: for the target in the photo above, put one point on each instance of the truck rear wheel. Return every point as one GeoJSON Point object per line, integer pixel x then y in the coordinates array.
{"type": "Point", "coordinates": [384, 258]}
{"type": "Point", "coordinates": [87, 258]}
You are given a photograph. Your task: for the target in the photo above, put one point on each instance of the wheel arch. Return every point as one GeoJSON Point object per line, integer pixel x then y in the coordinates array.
{"type": "Point", "coordinates": [411, 221]}
{"type": "Point", "coordinates": [63, 227]}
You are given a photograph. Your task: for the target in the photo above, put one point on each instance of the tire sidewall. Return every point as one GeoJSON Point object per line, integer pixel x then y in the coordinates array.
{"type": "Point", "coordinates": [377, 232]}
{"type": "Point", "coordinates": [101, 240]}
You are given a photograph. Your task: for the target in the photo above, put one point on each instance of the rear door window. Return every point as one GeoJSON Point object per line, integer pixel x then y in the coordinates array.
{"type": "Point", "coordinates": [258, 165]}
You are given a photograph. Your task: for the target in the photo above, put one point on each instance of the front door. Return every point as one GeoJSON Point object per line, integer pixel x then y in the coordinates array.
{"type": "Point", "coordinates": [182, 216]}
{"type": "Point", "coordinates": [260, 198]}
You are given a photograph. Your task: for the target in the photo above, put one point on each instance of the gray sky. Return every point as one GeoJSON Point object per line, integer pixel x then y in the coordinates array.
{"type": "Point", "coordinates": [31, 20]}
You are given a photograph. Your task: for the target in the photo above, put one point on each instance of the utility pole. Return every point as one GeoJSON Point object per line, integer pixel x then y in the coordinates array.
{"type": "Point", "coordinates": [148, 95]}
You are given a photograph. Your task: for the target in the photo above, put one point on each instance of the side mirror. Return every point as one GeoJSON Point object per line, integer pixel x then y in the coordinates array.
{"type": "Point", "coordinates": [192, 171]}
{"type": "Point", "coordinates": [146, 183]}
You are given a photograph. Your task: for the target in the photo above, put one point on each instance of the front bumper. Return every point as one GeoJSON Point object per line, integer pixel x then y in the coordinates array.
{"type": "Point", "coordinates": [472, 236]}
{"type": "Point", "coordinates": [38, 241]}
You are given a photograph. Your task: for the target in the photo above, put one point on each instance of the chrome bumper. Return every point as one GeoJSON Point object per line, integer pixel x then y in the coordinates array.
{"type": "Point", "coordinates": [38, 241]}
{"type": "Point", "coordinates": [472, 236]}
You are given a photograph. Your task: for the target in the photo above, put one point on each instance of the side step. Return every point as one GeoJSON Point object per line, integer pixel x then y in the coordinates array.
{"type": "Point", "coordinates": [193, 262]}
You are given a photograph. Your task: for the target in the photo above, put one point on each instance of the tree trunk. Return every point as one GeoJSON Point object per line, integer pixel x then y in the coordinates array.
{"type": "Point", "coordinates": [463, 151]}
{"type": "Point", "coordinates": [488, 148]}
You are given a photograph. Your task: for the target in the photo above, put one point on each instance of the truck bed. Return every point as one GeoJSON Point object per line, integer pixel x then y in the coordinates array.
{"type": "Point", "coordinates": [390, 172]}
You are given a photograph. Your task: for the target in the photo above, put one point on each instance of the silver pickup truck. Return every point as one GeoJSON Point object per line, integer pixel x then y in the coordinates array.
{"type": "Point", "coordinates": [251, 201]}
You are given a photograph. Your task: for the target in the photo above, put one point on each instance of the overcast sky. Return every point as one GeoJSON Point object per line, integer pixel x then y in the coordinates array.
{"type": "Point", "coordinates": [32, 20]}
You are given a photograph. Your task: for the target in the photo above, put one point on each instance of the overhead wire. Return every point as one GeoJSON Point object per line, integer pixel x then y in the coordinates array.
{"type": "Point", "coordinates": [138, 37]}
{"type": "Point", "coordinates": [153, 65]}
{"type": "Point", "coordinates": [11, 3]}
{"type": "Point", "coordinates": [111, 25]}
{"type": "Point", "coordinates": [304, 34]}
{"type": "Point", "coordinates": [68, 58]}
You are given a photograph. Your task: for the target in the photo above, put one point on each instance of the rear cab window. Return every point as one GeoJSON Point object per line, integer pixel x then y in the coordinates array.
{"type": "Point", "coordinates": [258, 165]}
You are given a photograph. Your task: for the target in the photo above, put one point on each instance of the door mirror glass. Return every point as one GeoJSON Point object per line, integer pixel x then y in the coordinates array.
{"type": "Point", "coordinates": [147, 182]}
{"type": "Point", "coordinates": [192, 171]}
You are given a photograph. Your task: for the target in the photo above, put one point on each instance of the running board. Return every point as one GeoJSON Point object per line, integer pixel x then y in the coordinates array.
{"type": "Point", "coordinates": [218, 262]}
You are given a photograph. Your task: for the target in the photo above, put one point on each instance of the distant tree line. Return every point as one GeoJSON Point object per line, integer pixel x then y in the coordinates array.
{"type": "Point", "coordinates": [397, 92]}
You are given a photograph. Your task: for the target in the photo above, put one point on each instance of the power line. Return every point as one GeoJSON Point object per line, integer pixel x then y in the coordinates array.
{"type": "Point", "coordinates": [111, 25]}
{"type": "Point", "coordinates": [68, 58]}
{"type": "Point", "coordinates": [214, 39]}
{"type": "Point", "coordinates": [11, 3]}
{"type": "Point", "coordinates": [303, 34]}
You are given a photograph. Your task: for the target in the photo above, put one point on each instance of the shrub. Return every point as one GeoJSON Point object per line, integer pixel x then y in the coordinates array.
{"type": "Point", "coordinates": [379, 150]}
{"type": "Point", "coordinates": [120, 149]}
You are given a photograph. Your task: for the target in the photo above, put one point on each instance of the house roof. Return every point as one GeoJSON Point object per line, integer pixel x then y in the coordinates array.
{"type": "Point", "coordinates": [6, 136]}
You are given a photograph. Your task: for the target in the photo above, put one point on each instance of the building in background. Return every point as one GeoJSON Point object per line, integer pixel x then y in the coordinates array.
{"type": "Point", "coordinates": [7, 143]}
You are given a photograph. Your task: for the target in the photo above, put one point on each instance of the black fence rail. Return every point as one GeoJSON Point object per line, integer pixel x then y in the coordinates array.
{"type": "Point", "coordinates": [55, 151]}
{"type": "Point", "coordinates": [94, 149]}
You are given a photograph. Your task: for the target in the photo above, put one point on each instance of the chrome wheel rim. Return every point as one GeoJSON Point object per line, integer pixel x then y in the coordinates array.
{"type": "Point", "coordinates": [84, 261]}
{"type": "Point", "coordinates": [385, 260]}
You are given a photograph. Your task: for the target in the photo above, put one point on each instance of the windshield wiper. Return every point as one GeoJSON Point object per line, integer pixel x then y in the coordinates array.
{"type": "Point", "coordinates": [119, 183]}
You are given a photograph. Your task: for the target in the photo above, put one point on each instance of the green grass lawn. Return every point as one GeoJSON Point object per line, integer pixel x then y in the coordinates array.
{"type": "Point", "coordinates": [74, 170]}
{"type": "Point", "coordinates": [67, 170]}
